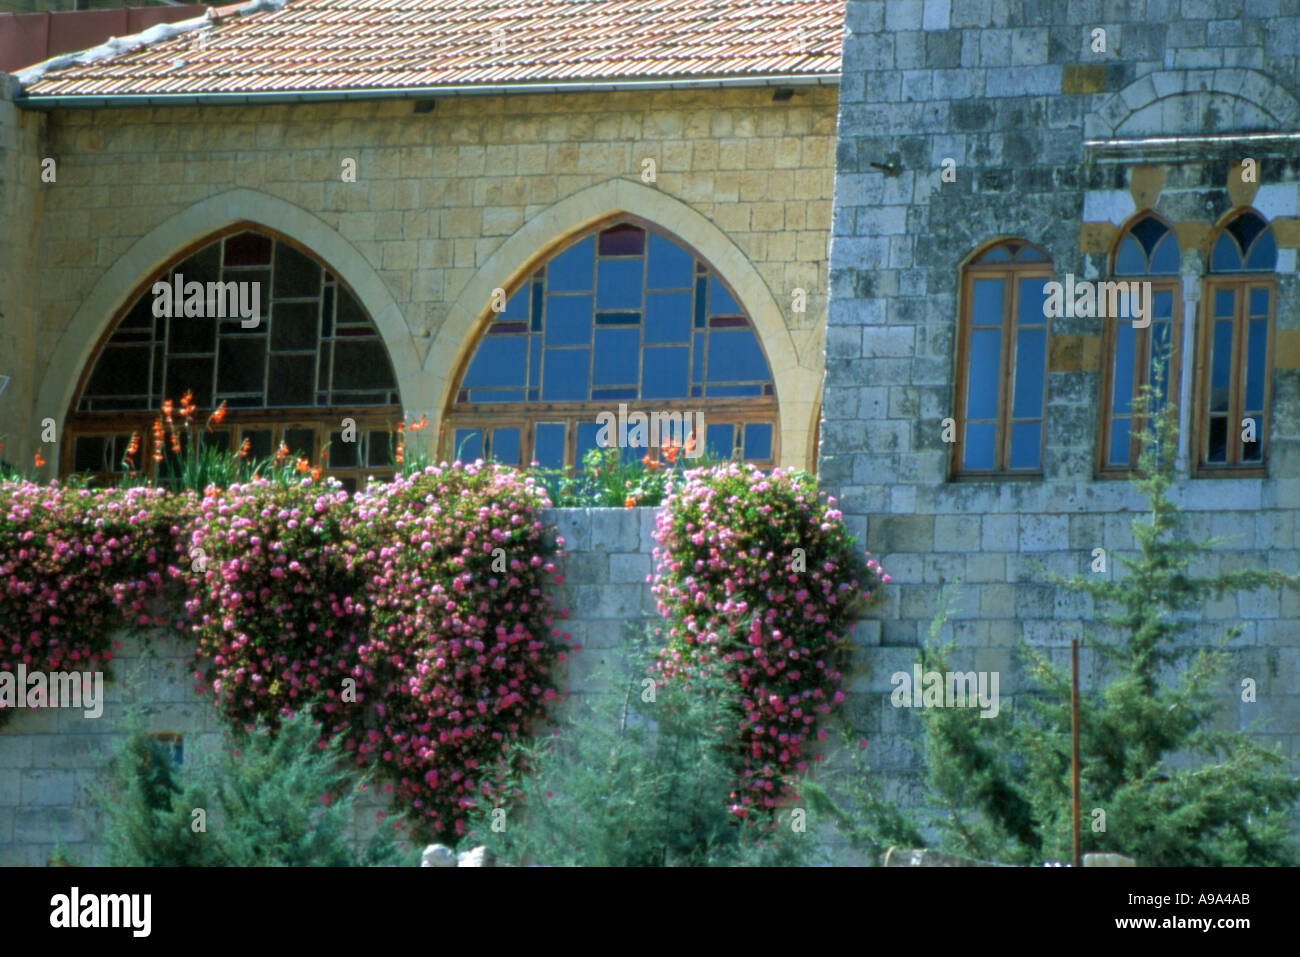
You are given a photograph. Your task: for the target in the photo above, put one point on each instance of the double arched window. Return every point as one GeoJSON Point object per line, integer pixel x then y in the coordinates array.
{"type": "Point", "coordinates": [1002, 362]}
{"type": "Point", "coordinates": [1140, 354]}
{"type": "Point", "coordinates": [621, 319]}
{"type": "Point", "coordinates": [251, 320]}
{"type": "Point", "coordinates": [1237, 329]}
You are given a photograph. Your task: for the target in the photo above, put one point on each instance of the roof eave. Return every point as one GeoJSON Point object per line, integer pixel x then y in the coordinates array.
{"type": "Point", "coordinates": [83, 101]}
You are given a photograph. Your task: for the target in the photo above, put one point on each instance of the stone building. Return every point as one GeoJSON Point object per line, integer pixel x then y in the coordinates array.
{"type": "Point", "coordinates": [985, 149]}
{"type": "Point", "coordinates": [431, 206]}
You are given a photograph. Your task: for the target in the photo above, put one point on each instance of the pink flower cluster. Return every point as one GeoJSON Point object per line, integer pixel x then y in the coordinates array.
{"type": "Point", "coordinates": [411, 618]}
{"type": "Point", "coordinates": [759, 580]}
{"type": "Point", "coordinates": [75, 564]}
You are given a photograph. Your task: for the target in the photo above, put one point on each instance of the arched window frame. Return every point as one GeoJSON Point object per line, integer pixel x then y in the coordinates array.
{"type": "Point", "coordinates": [1250, 317]}
{"type": "Point", "coordinates": [307, 430]}
{"type": "Point", "coordinates": [741, 413]}
{"type": "Point", "coordinates": [983, 265]}
{"type": "Point", "coordinates": [1167, 286]}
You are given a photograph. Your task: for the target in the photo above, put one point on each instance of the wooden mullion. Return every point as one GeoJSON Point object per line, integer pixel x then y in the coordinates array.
{"type": "Point", "coordinates": [1007, 371]}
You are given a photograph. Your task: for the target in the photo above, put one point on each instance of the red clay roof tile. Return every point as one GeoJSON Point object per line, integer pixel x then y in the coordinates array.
{"type": "Point", "coordinates": [358, 45]}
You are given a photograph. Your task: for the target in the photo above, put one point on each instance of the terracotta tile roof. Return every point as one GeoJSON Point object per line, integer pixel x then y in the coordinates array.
{"type": "Point", "coordinates": [346, 46]}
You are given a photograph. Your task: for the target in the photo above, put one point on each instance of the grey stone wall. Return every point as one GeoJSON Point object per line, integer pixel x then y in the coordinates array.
{"type": "Point", "coordinates": [1012, 91]}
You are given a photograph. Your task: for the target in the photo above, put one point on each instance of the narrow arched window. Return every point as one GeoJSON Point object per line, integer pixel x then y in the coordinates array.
{"type": "Point", "coordinates": [253, 321]}
{"type": "Point", "coordinates": [620, 321]}
{"type": "Point", "coordinates": [1002, 362]}
{"type": "Point", "coordinates": [1237, 326]}
{"type": "Point", "coordinates": [1145, 351]}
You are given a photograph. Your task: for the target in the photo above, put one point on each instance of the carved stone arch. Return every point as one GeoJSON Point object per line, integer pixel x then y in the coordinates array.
{"type": "Point", "coordinates": [1196, 102]}
{"type": "Point", "coordinates": [796, 384]}
{"type": "Point", "coordinates": [115, 287]}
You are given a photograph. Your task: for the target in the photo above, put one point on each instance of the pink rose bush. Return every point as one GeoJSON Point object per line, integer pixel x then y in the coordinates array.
{"type": "Point", "coordinates": [759, 580]}
{"type": "Point", "coordinates": [76, 564]}
{"type": "Point", "coordinates": [411, 618]}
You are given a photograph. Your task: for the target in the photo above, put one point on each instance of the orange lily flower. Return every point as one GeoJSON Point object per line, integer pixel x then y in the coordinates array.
{"type": "Point", "coordinates": [216, 417]}
{"type": "Point", "coordinates": [39, 461]}
{"type": "Point", "coordinates": [245, 448]}
{"type": "Point", "coordinates": [303, 465]}
{"type": "Point", "coordinates": [316, 473]}
{"type": "Point", "coordinates": [629, 502]}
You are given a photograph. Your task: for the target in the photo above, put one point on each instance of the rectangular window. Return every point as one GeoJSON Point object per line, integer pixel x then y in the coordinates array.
{"type": "Point", "coordinates": [1135, 359]}
{"type": "Point", "coordinates": [1236, 373]}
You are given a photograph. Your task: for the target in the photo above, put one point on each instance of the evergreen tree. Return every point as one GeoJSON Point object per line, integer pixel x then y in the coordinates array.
{"type": "Point", "coordinates": [269, 799]}
{"type": "Point", "coordinates": [1174, 790]}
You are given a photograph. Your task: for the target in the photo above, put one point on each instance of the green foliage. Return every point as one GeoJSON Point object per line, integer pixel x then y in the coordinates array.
{"type": "Point", "coordinates": [270, 800]}
{"type": "Point", "coordinates": [616, 478]}
{"type": "Point", "coordinates": [1175, 789]}
{"type": "Point", "coordinates": [639, 777]}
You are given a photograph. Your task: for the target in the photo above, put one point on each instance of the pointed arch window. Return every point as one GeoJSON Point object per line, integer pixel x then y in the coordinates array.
{"type": "Point", "coordinates": [1002, 356]}
{"type": "Point", "coordinates": [1137, 355]}
{"type": "Point", "coordinates": [622, 316]}
{"type": "Point", "coordinates": [291, 370]}
{"type": "Point", "coordinates": [1237, 330]}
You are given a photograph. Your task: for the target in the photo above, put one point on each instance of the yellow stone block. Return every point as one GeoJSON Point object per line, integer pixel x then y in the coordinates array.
{"type": "Point", "coordinates": [1286, 349]}
{"type": "Point", "coordinates": [1083, 78]}
{"type": "Point", "coordinates": [1145, 183]}
{"type": "Point", "coordinates": [1095, 237]}
{"type": "Point", "coordinates": [1239, 191]}
{"type": "Point", "coordinates": [1286, 229]}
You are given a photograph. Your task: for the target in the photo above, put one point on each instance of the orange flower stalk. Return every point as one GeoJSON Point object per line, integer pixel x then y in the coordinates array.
{"type": "Point", "coordinates": [282, 453]}
{"type": "Point", "coordinates": [303, 465]}
{"type": "Point", "coordinates": [158, 439]}
{"type": "Point", "coordinates": [216, 417]}
{"type": "Point", "coordinates": [316, 473]}
{"type": "Point", "coordinates": [39, 461]}
{"type": "Point", "coordinates": [650, 463]}
{"type": "Point", "coordinates": [401, 451]}
{"type": "Point", "coordinates": [245, 449]}
{"type": "Point", "coordinates": [187, 405]}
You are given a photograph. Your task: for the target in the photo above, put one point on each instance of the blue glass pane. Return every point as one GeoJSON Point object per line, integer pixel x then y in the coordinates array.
{"type": "Point", "coordinates": [1225, 257]}
{"type": "Point", "coordinates": [995, 255]}
{"type": "Point", "coordinates": [1119, 442]}
{"type": "Point", "coordinates": [1158, 371]}
{"type": "Point", "coordinates": [697, 359]}
{"type": "Point", "coordinates": [980, 438]}
{"type": "Point", "coordinates": [663, 372]}
{"type": "Point", "coordinates": [1259, 303]}
{"type": "Point", "coordinates": [982, 382]}
{"type": "Point", "coordinates": [616, 354]}
{"type": "Point", "coordinates": [549, 445]}
{"type": "Point", "coordinates": [588, 432]}
{"type": "Point", "coordinates": [986, 309]}
{"type": "Point", "coordinates": [516, 306]}
{"type": "Point", "coordinates": [499, 361]}
{"type": "Point", "coordinates": [1030, 254]}
{"type": "Point", "coordinates": [735, 356]}
{"type": "Point", "coordinates": [670, 266]}
{"type": "Point", "coordinates": [535, 362]}
{"type": "Point", "coordinates": [1125, 356]}
{"type": "Point", "coordinates": [496, 395]}
{"type": "Point", "coordinates": [758, 441]}
{"type": "Point", "coordinates": [1128, 259]}
{"type": "Point", "coordinates": [1167, 259]}
{"type": "Point", "coordinates": [667, 317]}
{"type": "Point", "coordinates": [718, 391]}
{"type": "Point", "coordinates": [720, 301]}
{"type": "Point", "coordinates": [535, 323]}
{"type": "Point", "coordinates": [568, 320]}
{"type": "Point", "coordinates": [565, 375]}
{"type": "Point", "coordinates": [1026, 445]}
{"type": "Point", "coordinates": [571, 271]}
{"type": "Point", "coordinates": [1032, 296]}
{"type": "Point", "coordinates": [720, 440]}
{"type": "Point", "coordinates": [1224, 303]}
{"type": "Point", "coordinates": [469, 445]}
{"type": "Point", "coordinates": [618, 284]}
{"type": "Point", "coordinates": [1162, 304]}
{"type": "Point", "coordinates": [505, 446]}
{"type": "Point", "coordinates": [1221, 364]}
{"type": "Point", "coordinates": [1031, 365]}
{"type": "Point", "coordinates": [1256, 342]}
{"type": "Point", "coordinates": [1263, 256]}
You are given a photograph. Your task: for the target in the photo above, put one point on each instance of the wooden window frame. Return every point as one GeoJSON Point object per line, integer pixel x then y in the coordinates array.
{"type": "Point", "coordinates": [1012, 273]}
{"type": "Point", "coordinates": [1243, 283]}
{"type": "Point", "coordinates": [1142, 360]}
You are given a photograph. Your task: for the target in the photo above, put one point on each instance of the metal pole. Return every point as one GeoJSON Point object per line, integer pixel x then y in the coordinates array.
{"type": "Point", "coordinates": [1074, 745]}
